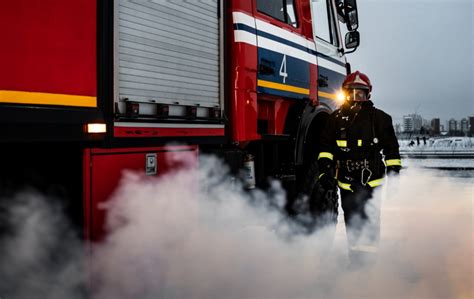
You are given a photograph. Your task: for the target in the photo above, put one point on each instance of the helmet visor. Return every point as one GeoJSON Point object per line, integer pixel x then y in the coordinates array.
{"type": "Point", "coordinates": [357, 95]}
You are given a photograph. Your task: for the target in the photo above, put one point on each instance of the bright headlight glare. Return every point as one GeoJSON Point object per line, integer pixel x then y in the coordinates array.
{"type": "Point", "coordinates": [340, 96]}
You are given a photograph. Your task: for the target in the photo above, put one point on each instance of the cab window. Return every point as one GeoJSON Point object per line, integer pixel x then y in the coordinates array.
{"type": "Point", "coordinates": [324, 22]}
{"type": "Point", "coordinates": [283, 10]}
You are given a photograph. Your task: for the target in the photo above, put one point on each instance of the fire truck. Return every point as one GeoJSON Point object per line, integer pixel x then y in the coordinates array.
{"type": "Point", "coordinates": [91, 88]}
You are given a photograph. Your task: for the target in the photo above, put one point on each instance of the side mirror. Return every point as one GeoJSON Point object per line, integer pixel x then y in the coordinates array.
{"type": "Point", "coordinates": [351, 17]}
{"type": "Point", "coordinates": [352, 40]}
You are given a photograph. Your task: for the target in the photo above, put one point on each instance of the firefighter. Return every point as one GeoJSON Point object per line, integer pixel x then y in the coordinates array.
{"type": "Point", "coordinates": [356, 139]}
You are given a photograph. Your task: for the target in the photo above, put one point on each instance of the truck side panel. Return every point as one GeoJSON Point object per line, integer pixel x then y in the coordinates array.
{"type": "Point", "coordinates": [48, 52]}
{"type": "Point", "coordinates": [243, 72]}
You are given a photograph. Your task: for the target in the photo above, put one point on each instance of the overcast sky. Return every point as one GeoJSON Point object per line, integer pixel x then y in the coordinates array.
{"type": "Point", "coordinates": [418, 55]}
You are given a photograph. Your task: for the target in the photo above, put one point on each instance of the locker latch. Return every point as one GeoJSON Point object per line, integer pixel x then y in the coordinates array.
{"type": "Point", "coordinates": [151, 164]}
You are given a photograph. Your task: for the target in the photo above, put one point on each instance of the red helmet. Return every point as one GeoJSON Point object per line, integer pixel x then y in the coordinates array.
{"type": "Point", "coordinates": [357, 80]}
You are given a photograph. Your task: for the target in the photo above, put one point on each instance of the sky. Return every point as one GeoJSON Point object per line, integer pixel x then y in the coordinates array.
{"type": "Point", "coordinates": [418, 55]}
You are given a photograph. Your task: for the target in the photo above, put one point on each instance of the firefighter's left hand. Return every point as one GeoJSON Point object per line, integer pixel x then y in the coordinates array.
{"type": "Point", "coordinates": [393, 170]}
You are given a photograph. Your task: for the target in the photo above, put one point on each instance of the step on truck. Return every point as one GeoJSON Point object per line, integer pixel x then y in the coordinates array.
{"type": "Point", "coordinates": [91, 88]}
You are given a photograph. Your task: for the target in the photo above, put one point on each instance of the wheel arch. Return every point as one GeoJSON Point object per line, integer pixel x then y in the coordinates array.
{"type": "Point", "coordinates": [312, 124]}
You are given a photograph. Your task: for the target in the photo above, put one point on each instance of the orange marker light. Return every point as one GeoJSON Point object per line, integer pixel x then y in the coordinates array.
{"type": "Point", "coordinates": [96, 128]}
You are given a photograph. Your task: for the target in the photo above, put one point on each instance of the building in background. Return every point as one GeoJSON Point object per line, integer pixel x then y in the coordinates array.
{"type": "Point", "coordinates": [442, 129]}
{"type": "Point", "coordinates": [407, 124]}
{"type": "Point", "coordinates": [464, 126]}
{"type": "Point", "coordinates": [471, 126]}
{"type": "Point", "coordinates": [416, 124]}
{"type": "Point", "coordinates": [412, 123]}
{"type": "Point", "coordinates": [452, 126]}
{"type": "Point", "coordinates": [435, 126]}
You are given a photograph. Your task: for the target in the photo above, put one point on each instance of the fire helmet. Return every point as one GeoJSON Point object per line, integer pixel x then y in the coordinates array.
{"type": "Point", "coordinates": [357, 80]}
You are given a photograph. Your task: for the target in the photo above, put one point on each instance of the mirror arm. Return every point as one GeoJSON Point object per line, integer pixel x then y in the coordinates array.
{"type": "Point", "coordinates": [348, 68]}
{"type": "Point", "coordinates": [351, 51]}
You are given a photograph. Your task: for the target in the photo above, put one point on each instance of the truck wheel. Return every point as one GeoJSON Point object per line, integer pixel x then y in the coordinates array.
{"type": "Point", "coordinates": [315, 207]}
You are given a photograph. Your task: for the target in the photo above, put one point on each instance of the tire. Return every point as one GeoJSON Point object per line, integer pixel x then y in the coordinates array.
{"type": "Point", "coordinates": [315, 207]}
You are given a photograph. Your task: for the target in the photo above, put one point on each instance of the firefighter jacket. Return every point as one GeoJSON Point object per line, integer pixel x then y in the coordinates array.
{"type": "Point", "coordinates": [354, 140]}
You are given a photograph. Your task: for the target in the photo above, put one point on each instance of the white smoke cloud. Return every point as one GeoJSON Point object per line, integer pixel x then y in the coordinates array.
{"type": "Point", "coordinates": [188, 238]}
{"type": "Point", "coordinates": [40, 255]}
{"type": "Point", "coordinates": [196, 234]}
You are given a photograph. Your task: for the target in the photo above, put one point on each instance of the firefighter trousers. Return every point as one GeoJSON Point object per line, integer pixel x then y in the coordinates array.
{"type": "Point", "coordinates": [362, 220]}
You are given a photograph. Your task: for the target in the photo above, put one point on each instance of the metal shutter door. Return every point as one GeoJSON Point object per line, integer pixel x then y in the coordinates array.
{"type": "Point", "coordinates": [168, 51]}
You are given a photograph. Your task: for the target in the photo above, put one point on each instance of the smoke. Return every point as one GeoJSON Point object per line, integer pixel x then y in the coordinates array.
{"type": "Point", "coordinates": [40, 255]}
{"type": "Point", "coordinates": [197, 234]}
{"type": "Point", "coordinates": [180, 237]}
{"type": "Point", "coordinates": [427, 241]}
{"type": "Point", "coordinates": [183, 237]}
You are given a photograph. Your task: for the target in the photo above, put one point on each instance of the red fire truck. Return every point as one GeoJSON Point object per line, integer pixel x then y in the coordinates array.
{"type": "Point", "coordinates": [90, 88]}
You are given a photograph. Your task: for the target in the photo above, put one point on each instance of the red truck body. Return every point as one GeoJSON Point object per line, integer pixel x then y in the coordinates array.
{"type": "Point", "coordinates": [49, 47]}
{"type": "Point", "coordinates": [67, 64]}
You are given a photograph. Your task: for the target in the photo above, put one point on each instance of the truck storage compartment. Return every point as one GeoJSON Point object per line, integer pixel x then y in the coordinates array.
{"type": "Point", "coordinates": [167, 60]}
{"type": "Point", "coordinates": [104, 169]}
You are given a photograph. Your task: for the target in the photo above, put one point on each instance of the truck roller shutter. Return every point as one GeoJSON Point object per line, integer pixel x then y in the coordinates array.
{"type": "Point", "coordinates": [168, 52]}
